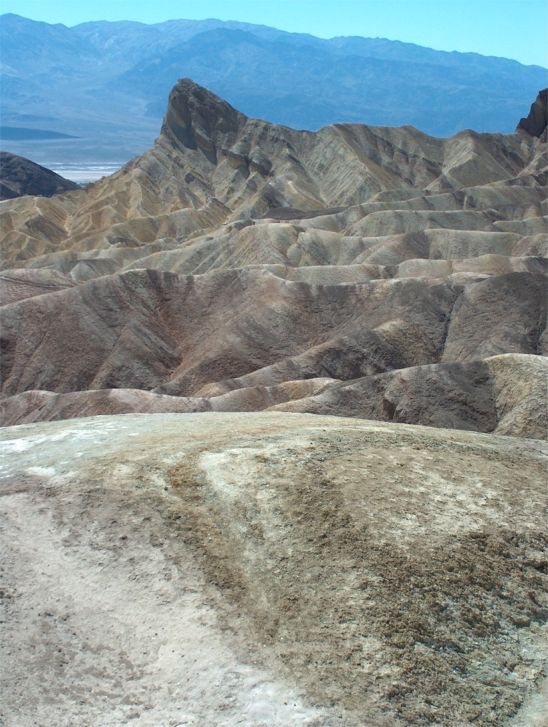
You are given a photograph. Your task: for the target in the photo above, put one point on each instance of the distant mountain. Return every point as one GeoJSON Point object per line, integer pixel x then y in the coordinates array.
{"type": "Point", "coordinates": [107, 82]}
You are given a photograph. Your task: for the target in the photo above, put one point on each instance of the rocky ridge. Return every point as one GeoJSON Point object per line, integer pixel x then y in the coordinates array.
{"type": "Point", "coordinates": [241, 265]}
{"type": "Point", "coordinates": [20, 176]}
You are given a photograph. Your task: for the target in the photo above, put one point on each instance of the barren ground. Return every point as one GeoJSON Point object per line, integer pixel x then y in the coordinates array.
{"type": "Point", "coordinates": [270, 570]}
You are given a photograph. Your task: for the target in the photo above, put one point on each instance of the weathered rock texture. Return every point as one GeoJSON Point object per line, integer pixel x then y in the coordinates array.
{"type": "Point", "coordinates": [270, 570]}
{"type": "Point", "coordinates": [239, 265]}
{"type": "Point", "coordinates": [20, 176]}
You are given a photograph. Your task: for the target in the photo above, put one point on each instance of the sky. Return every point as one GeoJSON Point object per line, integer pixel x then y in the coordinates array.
{"type": "Point", "coordinates": [515, 29]}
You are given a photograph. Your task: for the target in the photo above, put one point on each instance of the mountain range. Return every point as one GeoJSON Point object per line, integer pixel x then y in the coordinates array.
{"type": "Point", "coordinates": [105, 83]}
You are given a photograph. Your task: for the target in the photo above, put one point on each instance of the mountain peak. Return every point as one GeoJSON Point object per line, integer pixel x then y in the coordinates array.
{"type": "Point", "coordinates": [198, 119]}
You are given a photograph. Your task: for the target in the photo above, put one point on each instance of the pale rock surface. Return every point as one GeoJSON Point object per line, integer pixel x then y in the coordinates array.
{"type": "Point", "coordinates": [270, 570]}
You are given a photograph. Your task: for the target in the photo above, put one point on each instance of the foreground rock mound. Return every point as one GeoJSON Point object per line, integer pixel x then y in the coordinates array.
{"type": "Point", "coordinates": [238, 259]}
{"type": "Point", "coordinates": [271, 569]}
{"type": "Point", "coordinates": [20, 176]}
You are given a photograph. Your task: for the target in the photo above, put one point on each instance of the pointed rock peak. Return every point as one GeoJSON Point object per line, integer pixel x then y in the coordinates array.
{"type": "Point", "coordinates": [536, 123]}
{"type": "Point", "coordinates": [198, 119]}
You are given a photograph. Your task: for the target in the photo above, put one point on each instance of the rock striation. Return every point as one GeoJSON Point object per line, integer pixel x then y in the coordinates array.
{"type": "Point", "coordinates": [239, 265]}
{"type": "Point", "coordinates": [20, 176]}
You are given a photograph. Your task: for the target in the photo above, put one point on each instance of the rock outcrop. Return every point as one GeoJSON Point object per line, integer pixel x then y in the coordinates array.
{"type": "Point", "coordinates": [20, 176]}
{"type": "Point", "coordinates": [237, 260]}
{"type": "Point", "coordinates": [536, 122]}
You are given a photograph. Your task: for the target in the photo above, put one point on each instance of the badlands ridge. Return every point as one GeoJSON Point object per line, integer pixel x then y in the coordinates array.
{"type": "Point", "coordinates": [239, 265]}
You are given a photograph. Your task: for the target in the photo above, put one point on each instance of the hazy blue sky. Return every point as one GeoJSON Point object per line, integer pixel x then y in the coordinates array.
{"type": "Point", "coordinates": [510, 28]}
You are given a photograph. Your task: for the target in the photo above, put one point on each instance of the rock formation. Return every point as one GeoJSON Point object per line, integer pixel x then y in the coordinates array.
{"type": "Point", "coordinates": [536, 122]}
{"type": "Point", "coordinates": [239, 265]}
{"type": "Point", "coordinates": [20, 176]}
